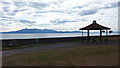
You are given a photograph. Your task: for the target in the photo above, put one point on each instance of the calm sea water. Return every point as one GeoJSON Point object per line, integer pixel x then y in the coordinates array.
{"type": "Point", "coordinates": [46, 35]}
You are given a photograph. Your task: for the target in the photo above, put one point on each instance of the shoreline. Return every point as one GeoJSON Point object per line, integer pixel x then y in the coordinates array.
{"type": "Point", "coordinates": [47, 40]}
{"type": "Point", "coordinates": [54, 35]}
{"type": "Point", "coordinates": [61, 37]}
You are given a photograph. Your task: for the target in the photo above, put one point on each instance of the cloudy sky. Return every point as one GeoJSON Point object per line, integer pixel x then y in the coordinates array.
{"type": "Point", "coordinates": [60, 15]}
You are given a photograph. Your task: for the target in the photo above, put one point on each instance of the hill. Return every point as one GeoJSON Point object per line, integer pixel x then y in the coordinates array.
{"type": "Point", "coordinates": [41, 31]}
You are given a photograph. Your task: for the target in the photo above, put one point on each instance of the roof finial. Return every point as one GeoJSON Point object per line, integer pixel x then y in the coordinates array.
{"type": "Point", "coordinates": [94, 21]}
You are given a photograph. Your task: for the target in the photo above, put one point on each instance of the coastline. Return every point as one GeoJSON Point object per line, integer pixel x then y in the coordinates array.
{"type": "Point", "coordinates": [47, 35]}
{"type": "Point", "coordinates": [47, 40]}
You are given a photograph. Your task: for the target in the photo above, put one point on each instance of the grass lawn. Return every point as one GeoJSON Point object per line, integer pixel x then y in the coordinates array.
{"type": "Point", "coordinates": [34, 45]}
{"type": "Point", "coordinates": [27, 46]}
{"type": "Point", "coordinates": [90, 55]}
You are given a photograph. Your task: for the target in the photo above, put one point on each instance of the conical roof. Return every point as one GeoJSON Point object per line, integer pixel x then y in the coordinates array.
{"type": "Point", "coordinates": [94, 26]}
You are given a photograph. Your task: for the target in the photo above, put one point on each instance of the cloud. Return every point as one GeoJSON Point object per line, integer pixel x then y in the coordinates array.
{"type": "Point", "coordinates": [88, 12]}
{"type": "Point", "coordinates": [4, 24]}
{"type": "Point", "coordinates": [84, 20]}
{"type": "Point", "coordinates": [11, 13]}
{"type": "Point", "coordinates": [11, 20]}
{"type": "Point", "coordinates": [119, 3]}
{"type": "Point", "coordinates": [111, 5]}
{"type": "Point", "coordinates": [55, 14]}
{"type": "Point", "coordinates": [20, 4]}
{"type": "Point", "coordinates": [53, 11]}
{"type": "Point", "coordinates": [20, 10]}
{"type": "Point", "coordinates": [41, 12]}
{"type": "Point", "coordinates": [12, 9]}
{"type": "Point", "coordinates": [94, 10]}
{"type": "Point", "coordinates": [57, 11]}
{"type": "Point", "coordinates": [3, 18]}
{"type": "Point", "coordinates": [26, 21]}
{"type": "Point", "coordinates": [7, 3]}
{"type": "Point", "coordinates": [37, 15]}
{"type": "Point", "coordinates": [6, 17]}
{"type": "Point", "coordinates": [37, 5]}
{"type": "Point", "coordinates": [59, 21]}
{"type": "Point", "coordinates": [78, 7]}
{"type": "Point", "coordinates": [6, 8]}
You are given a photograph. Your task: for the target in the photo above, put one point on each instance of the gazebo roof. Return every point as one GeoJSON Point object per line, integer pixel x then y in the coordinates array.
{"type": "Point", "coordinates": [94, 26]}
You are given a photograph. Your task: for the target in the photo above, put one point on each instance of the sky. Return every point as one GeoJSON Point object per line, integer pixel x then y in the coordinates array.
{"type": "Point", "coordinates": [59, 15]}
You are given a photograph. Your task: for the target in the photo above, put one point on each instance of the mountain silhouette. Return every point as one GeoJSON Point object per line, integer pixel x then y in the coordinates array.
{"type": "Point", "coordinates": [41, 31]}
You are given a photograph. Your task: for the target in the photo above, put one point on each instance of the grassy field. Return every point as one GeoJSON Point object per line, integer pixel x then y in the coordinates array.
{"type": "Point", "coordinates": [27, 46]}
{"type": "Point", "coordinates": [85, 55]}
{"type": "Point", "coordinates": [93, 55]}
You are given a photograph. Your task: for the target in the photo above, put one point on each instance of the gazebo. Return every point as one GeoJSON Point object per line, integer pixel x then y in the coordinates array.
{"type": "Point", "coordinates": [95, 26]}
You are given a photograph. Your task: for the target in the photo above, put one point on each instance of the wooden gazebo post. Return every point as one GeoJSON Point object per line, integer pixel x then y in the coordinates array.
{"type": "Point", "coordinates": [100, 35]}
{"type": "Point", "coordinates": [106, 34]}
{"type": "Point", "coordinates": [88, 34]}
{"type": "Point", "coordinates": [82, 35]}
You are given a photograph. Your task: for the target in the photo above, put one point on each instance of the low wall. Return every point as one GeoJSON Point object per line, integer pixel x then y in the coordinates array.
{"type": "Point", "coordinates": [42, 40]}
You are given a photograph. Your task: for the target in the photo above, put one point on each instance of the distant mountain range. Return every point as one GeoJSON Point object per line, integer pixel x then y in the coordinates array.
{"type": "Point", "coordinates": [40, 31]}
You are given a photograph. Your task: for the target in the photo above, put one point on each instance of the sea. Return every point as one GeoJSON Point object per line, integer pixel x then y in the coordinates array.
{"type": "Point", "coordinates": [46, 35]}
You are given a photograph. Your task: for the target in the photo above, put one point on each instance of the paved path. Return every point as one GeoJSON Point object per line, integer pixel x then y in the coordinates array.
{"type": "Point", "coordinates": [25, 50]}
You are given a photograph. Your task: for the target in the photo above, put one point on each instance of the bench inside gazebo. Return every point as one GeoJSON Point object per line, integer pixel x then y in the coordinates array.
{"type": "Point", "coordinates": [95, 26]}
